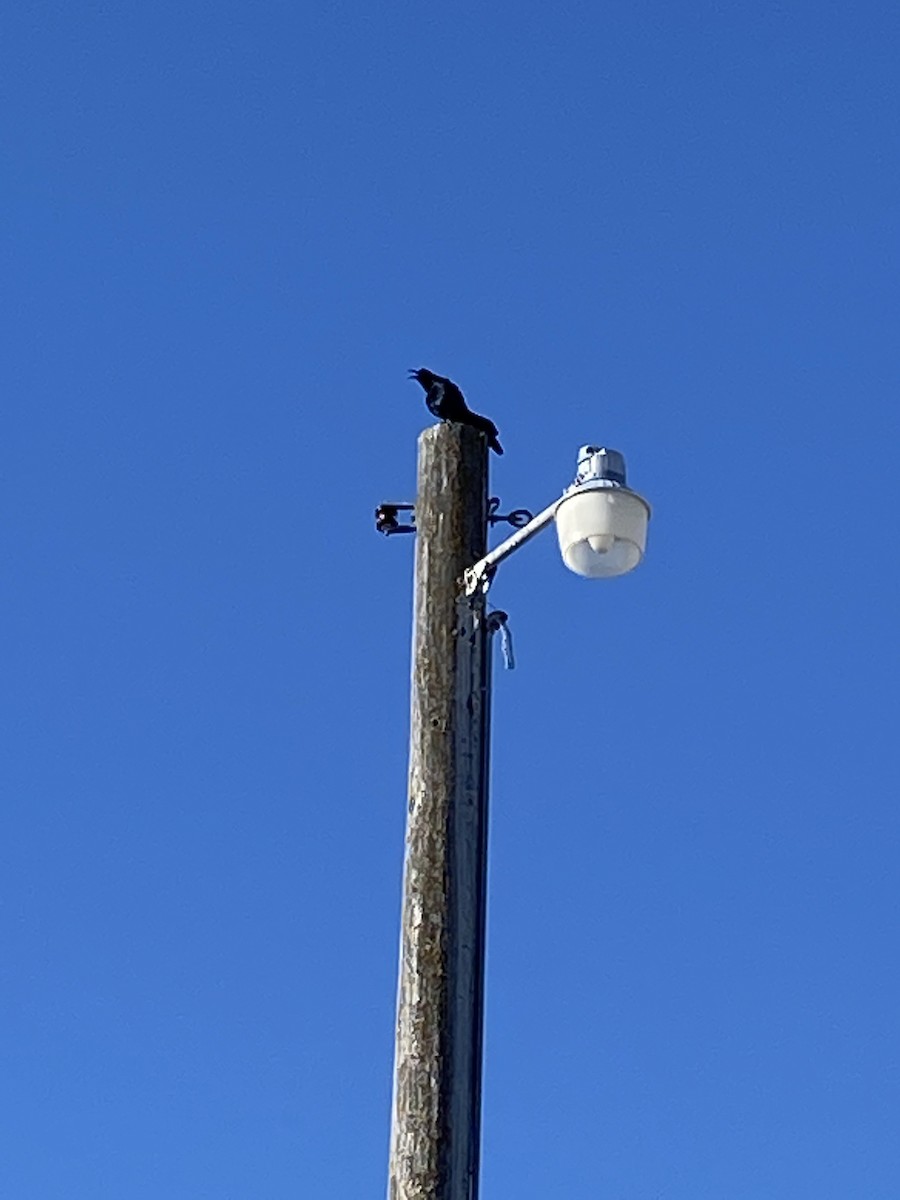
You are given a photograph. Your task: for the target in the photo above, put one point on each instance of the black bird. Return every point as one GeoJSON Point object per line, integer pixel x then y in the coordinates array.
{"type": "Point", "coordinates": [446, 401]}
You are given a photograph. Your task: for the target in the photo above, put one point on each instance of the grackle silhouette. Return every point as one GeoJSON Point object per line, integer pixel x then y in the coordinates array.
{"type": "Point", "coordinates": [445, 400]}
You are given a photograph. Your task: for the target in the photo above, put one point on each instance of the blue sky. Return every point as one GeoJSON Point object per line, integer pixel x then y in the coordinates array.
{"type": "Point", "coordinates": [228, 232]}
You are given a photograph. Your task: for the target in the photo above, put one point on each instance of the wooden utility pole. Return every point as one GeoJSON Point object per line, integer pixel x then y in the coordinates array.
{"type": "Point", "coordinates": [436, 1124]}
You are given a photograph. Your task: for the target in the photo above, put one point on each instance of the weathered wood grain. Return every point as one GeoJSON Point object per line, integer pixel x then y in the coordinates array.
{"type": "Point", "coordinates": [437, 1078]}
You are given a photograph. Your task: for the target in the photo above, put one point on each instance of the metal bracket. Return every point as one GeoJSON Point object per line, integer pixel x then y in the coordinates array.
{"type": "Point", "coordinates": [498, 622]}
{"type": "Point", "coordinates": [387, 522]}
{"type": "Point", "coordinates": [518, 518]}
{"type": "Point", "coordinates": [478, 578]}
{"type": "Point", "coordinates": [387, 517]}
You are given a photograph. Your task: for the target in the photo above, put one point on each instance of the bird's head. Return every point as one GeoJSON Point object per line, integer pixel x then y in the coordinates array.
{"type": "Point", "coordinates": [423, 376]}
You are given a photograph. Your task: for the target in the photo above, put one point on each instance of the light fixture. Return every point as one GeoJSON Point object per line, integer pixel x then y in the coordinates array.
{"type": "Point", "coordinates": [601, 523]}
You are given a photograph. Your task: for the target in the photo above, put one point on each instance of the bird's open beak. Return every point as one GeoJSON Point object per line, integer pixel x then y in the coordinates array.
{"type": "Point", "coordinates": [412, 372]}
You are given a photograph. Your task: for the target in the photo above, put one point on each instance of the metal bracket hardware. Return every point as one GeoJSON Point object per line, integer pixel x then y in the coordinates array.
{"type": "Point", "coordinates": [517, 518]}
{"type": "Point", "coordinates": [387, 522]}
{"type": "Point", "coordinates": [387, 517]}
{"type": "Point", "coordinates": [498, 622]}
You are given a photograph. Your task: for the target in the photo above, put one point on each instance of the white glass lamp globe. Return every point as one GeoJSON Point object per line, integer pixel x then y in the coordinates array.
{"type": "Point", "coordinates": [602, 529]}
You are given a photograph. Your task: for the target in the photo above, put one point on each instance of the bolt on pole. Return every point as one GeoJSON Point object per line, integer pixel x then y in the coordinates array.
{"type": "Point", "coordinates": [436, 1118]}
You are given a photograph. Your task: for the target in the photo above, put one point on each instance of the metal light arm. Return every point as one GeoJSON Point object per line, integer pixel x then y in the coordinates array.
{"type": "Point", "coordinates": [479, 577]}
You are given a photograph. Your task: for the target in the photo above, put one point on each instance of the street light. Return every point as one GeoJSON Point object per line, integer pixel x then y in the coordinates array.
{"type": "Point", "coordinates": [602, 530]}
{"type": "Point", "coordinates": [601, 524]}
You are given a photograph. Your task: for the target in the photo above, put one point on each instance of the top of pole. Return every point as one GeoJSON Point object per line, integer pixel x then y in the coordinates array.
{"type": "Point", "coordinates": [453, 489]}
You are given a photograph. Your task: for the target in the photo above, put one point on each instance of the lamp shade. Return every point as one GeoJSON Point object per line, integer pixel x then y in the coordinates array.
{"type": "Point", "coordinates": [602, 529]}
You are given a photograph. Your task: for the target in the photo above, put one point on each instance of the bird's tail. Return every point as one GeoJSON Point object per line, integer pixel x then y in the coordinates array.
{"type": "Point", "coordinates": [488, 427]}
